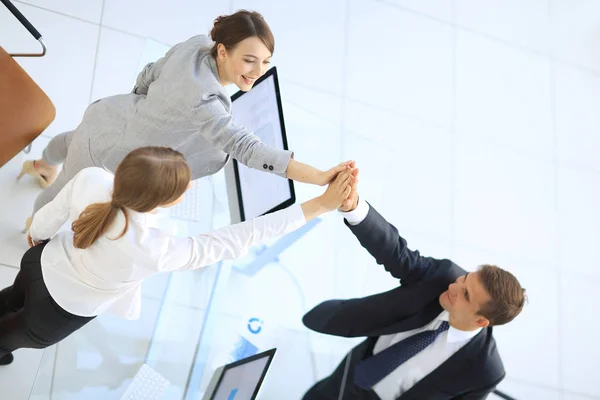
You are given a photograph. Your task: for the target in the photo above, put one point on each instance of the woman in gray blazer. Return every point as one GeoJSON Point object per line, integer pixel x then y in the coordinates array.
{"type": "Point", "coordinates": [179, 102]}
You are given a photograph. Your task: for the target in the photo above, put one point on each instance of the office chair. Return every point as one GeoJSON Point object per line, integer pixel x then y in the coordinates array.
{"type": "Point", "coordinates": [25, 110]}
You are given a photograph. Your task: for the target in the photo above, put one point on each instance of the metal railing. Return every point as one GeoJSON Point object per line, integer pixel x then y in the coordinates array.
{"type": "Point", "coordinates": [29, 26]}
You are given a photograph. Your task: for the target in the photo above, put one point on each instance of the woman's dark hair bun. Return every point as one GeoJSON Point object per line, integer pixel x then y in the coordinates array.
{"type": "Point", "coordinates": [216, 25]}
{"type": "Point", "coordinates": [229, 30]}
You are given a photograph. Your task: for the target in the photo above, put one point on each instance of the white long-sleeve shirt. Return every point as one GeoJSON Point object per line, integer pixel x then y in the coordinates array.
{"type": "Point", "coordinates": [426, 361]}
{"type": "Point", "coordinates": [107, 276]}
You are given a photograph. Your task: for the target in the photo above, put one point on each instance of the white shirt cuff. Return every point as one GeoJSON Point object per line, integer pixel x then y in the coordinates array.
{"type": "Point", "coordinates": [357, 215]}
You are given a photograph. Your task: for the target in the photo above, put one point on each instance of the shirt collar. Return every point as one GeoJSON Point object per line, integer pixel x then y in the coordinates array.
{"type": "Point", "coordinates": [456, 335]}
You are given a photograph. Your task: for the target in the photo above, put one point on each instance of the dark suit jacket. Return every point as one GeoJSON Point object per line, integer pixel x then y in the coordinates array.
{"type": "Point", "coordinates": [471, 373]}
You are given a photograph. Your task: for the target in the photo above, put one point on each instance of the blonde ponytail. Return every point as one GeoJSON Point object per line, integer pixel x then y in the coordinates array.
{"type": "Point", "coordinates": [146, 178]}
{"type": "Point", "coordinates": [93, 222]}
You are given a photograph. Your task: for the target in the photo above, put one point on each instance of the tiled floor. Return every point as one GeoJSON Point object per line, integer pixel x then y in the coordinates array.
{"type": "Point", "coordinates": [475, 125]}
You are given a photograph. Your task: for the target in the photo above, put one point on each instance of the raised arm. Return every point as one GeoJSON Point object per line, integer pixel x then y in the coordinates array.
{"type": "Point", "coordinates": [234, 241]}
{"type": "Point", "coordinates": [216, 125]}
{"type": "Point", "coordinates": [382, 240]}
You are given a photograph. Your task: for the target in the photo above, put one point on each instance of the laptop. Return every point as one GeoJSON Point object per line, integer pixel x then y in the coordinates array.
{"type": "Point", "coordinates": [240, 380]}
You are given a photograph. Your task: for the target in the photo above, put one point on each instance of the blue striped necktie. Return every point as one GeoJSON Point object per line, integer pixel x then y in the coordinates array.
{"type": "Point", "coordinates": [373, 369]}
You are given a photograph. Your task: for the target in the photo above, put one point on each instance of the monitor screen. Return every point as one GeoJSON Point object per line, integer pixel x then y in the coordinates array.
{"type": "Point", "coordinates": [259, 110]}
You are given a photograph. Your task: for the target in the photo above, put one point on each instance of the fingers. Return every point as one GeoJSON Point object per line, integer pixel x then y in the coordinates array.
{"type": "Point", "coordinates": [342, 185]}
{"type": "Point", "coordinates": [346, 187]}
{"type": "Point", "coordinates": [340, 168]}
{"type": "Point", "coordinates": [347, 192]}
{"type": "Point", "coordinates": [354, 183]}
{"type": "Point", "coordinates": [344, 166]}
{"type": "Point", "coordinates": [346, 179]}
{"type": "Point", "coordinates": [342, 177]}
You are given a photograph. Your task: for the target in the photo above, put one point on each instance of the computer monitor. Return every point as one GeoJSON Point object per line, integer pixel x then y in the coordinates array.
{"type": "Point", "coordinates": [240, 380]}
{"type": "Point", "coordinates": [252, 192]}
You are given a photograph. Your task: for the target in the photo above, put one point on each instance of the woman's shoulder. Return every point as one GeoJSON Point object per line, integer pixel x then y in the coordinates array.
{"type": "Point", "coordinates": [200, 40]}
{"type": "Point", "coordinates": [196, 45]}
{"type": "Point", "coordinates": [94, 179]}
{"type": "Point", "coordinates": [195, 69]}
{"type": "Point", "coordinates": [95, 173]}
{"type": "Point", "coordinates": [91, 185]}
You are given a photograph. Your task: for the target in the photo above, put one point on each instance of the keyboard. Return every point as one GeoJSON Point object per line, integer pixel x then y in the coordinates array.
{"type": "Point", "coordinates": [147, 384]}
{"type": "Point", "coordinates": [190, 208]}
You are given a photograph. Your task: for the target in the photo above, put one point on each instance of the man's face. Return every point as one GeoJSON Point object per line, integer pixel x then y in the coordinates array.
{"type": "Point", "coordinates": [463, 299]}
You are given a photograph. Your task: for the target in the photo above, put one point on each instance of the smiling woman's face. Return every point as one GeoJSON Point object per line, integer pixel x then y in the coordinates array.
{"type": "Point", "coordinates": [244, 64]}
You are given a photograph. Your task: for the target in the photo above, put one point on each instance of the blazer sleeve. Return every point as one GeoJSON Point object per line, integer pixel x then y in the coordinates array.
{"type": "Point", "coordinates": [151, 72]}
{"type": "Point", "coordinates": [216, 125]}
{"type": "Point", "coordinates": [382, 240]}
{"type": "Point", "coordinates": [352, 317]}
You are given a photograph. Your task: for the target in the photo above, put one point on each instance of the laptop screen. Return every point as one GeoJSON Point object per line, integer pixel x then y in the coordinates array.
{"type": "Point", "coordinates": [241, 380]}
{"type": "Point", "coordinates": [240, 383]}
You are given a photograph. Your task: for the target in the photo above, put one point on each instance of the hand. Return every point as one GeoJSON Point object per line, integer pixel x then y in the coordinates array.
{"type": "Point", "coordinates": [326, 177]}
{"type": "Point", "coordinates": [337, 191]}
{"type": "Point", "coordinates": [352, 201]}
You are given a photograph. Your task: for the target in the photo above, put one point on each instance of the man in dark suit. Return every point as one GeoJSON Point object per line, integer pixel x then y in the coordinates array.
{"type": "Point", "coordinates": [430, 338]}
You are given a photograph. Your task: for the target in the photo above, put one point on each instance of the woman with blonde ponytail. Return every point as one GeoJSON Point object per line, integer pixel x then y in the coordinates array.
{"type": "Point", "coordinates": [136, 190]}
{"type": "Point", "coordinates": [68, 278]}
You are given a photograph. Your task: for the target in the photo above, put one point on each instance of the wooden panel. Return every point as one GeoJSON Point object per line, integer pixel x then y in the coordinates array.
{"type": "Point", "coordinates": [25, 110]}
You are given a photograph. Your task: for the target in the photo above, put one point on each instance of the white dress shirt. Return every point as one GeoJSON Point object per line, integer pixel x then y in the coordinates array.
{"type": "Point", "coordinates": [107, 276]}
{"type": "Point", "coordinates": [422, 364]}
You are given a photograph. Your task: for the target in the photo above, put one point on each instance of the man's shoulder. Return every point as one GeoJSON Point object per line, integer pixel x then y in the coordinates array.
{"type": "Point", "coordinates": [487, 360]}
{"type": "Point", "coordinates": [445, 271]}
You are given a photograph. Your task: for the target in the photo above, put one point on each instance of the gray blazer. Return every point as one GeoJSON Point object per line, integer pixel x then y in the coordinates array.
{"type": "Point", "coordinates": [179, 102]}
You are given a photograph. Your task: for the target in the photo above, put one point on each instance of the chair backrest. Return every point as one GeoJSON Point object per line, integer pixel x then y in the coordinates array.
{"type": "Point", "coordinates": [25, 110]}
